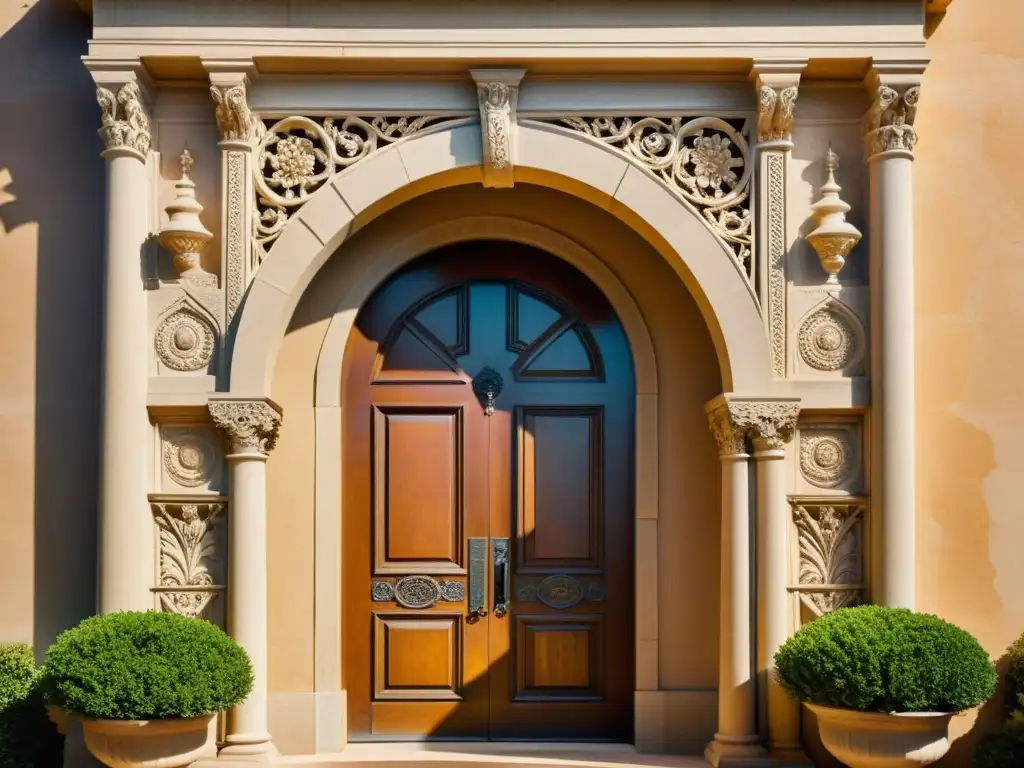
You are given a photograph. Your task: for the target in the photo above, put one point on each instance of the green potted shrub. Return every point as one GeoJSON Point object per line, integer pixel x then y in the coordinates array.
{"type": "Point", "coordinates": [146, 685]}
{"type": "Point", "coordinates": [885, 682]}
{"type": "Point", "coordinates": [27, 737]}
{"type": "Point", "coordinates": [1005, 747]}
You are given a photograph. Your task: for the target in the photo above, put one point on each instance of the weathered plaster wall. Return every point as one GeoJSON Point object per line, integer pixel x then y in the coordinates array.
{"type": "Point", "coordinates": [51, 233]}
{"type": "Point", "coordinates": [969, 194]}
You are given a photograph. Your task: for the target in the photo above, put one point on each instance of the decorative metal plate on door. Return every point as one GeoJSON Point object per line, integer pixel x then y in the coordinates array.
{"type": "Point", "coordinates": [559, 591]}
{"type": "Point", "coordinates": [418, 592]}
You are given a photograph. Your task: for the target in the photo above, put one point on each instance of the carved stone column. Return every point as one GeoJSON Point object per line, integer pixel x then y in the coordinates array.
{"type": "Point", "coordinates": [771, 424]}
{"type": "Point", "coordinates": [736, 740]}
{"type": "Point", "coordinates": [889, 139]}
{"type": "Point", "coordinates": [498, 94]}
{"type": "Point", "coordinates": [776, 83]}
{"type": "Point", "coordinates": [126, 547]}
{"type": "Point", "coordinates": [251, 427]}
{"type": "Point", "coordinates": [238, 130]}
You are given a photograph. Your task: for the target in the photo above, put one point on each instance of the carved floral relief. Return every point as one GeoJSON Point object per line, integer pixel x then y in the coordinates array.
{"type": "Point", "coordinates": [830, 538]}
{"type": "Point", "coordinates": [192, 555]}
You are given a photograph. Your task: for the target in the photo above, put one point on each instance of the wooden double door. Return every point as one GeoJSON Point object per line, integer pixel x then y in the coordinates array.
{"type": "Point", "coordinates": [487, 504]}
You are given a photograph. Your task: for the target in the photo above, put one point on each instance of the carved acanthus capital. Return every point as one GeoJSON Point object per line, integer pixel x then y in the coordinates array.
{"type": "Point", "coordinates": [889, 122]}
{"type": "Point", "coordinates": [729, 435]}
{"type": "Point", "coordinates": [498, 93]}
{"type": "Point", "coordinates": [234, 119]}
{"type": "Point", "coordinates": [770, 423]}
{"type": "Point", "coordinates": [252, 426]}
{"type": "Point", "coordinates": [775, 111]}
{"type": "Point", "coordinates": [123, 119]}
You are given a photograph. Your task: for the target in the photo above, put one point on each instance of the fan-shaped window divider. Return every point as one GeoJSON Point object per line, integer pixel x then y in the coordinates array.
{"type": "Point", "coordinates": [552, 341]}
{"type": "Point", "coordinates": [425, 342]}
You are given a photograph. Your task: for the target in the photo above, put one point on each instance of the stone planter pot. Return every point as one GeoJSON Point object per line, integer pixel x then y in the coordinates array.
{"type": "Point", "coordinates": [172, 743]}
{"type": "Point", "coordinates": [879, 740]}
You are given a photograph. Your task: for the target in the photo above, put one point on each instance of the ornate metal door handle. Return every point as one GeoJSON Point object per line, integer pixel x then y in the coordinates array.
{"type": "Point", "coordinates": [501, 576]}
{"type": "Point", "coordinates": [477, 576]}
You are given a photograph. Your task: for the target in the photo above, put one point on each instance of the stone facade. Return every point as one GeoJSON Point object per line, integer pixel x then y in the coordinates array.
{"type": "Point", "coordinates": [849, 378]}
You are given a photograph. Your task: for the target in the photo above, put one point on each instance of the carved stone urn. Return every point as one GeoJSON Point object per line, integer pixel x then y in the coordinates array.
{"type": "Point", "coordinates": [880, 740]}
{"type": "Point", "coordinates": [184, 234]}
{"type": "Point", "coordinates": [171, 743]}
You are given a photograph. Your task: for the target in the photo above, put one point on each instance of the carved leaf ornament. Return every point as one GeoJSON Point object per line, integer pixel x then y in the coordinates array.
{"type": "Point", "coordinates": [829, 556]}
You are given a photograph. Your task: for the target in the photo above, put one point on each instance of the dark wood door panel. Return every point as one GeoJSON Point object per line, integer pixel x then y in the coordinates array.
{"type": "Point", "coordinates": [431, 474]}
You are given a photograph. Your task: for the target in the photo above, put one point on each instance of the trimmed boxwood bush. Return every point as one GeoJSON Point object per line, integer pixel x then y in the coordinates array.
{"type": "Point", "coordinates": [145, 666]}
{"type": "Point", "coordinates": [877, 659]}
{"type": "Point", "coordinates": [27, 737]}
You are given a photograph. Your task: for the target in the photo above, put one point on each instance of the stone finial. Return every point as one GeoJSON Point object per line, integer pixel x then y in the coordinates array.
{"type": "Point", "coordinates": [124, 123]}
{"type": "Point", "coordinates": [184, 234]}
{"type": "Point", "coordinates": [834, 237]}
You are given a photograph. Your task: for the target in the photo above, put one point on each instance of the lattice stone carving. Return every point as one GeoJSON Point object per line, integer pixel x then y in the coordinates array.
{"type": "Point", "coordinates": [192, 554]}
{"type": "Point", "coordinates": [296, 156]}
{"type": "Point", "coordinates": [704, 160]}
{"type": "Point", "coordinates": [830, 537]}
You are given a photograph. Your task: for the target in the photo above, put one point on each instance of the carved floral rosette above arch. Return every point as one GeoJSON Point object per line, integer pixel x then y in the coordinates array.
{"type": "Point", "coordinates": [830, 455]}
{"type": "Point", "coordinates": [296, 156]}
{"type": "Point", "coordinates": [830, 566]}
{"type": "Point", "coordinates": [704, 161]}
{"type": "Point", "coordinates": [192, 555]}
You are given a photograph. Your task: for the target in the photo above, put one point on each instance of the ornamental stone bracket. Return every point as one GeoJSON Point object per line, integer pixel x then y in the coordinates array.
{"type": "Point", "coordinates": [191, 555]}
{"type": "Point", "coordinates": [498, 94]}
{"type": "Point", "coordinates": [251, 426]}
{"type": "Point", "coordinates": [889, 123]}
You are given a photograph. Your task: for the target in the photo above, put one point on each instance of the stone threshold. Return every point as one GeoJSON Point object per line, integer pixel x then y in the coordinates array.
{"type": "Point", "coordinates": [504, 754]}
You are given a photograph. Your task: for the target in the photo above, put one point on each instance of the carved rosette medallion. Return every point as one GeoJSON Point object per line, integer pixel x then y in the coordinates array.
{"type": "Point", "coordinates": [185, 340]}
{"type": "Point", "coordinates": [191, 555]}
{"type": "Point", "coordinates": [251, 425]}
{"type": "Point", "coordinates": [828, 457]}
{"type": "Point", "coordinates": [190, 455]}
{"type": "Point", "coordinates": [123, 119]}
{"type": "Point", "coordinates": [826, 340]}
{"type": "Point", "coordinates": [831, 567]}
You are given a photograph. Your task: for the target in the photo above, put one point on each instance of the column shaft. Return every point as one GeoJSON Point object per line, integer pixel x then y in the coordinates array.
{"type": "Point", "coordinates": [774, 600]}
{"type": "Point", "coordinates": [247, 596]}
{"type": "Point", "coordinates": [125, 529]}
{"type": "Point", "coordinates": [892, 294]}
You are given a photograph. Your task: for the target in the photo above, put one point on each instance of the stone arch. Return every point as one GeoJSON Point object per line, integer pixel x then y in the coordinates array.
{"type": "Point", "coordinates": [546, 156]}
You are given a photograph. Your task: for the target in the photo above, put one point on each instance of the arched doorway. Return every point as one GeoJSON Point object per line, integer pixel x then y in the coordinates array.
{"type": "Point", "coordinates": [488, 426]}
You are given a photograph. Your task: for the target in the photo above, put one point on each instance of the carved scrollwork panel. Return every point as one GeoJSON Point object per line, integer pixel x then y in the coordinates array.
{"type": "Point", "coordinates": [298, 155]}
{"type": "Point", "coordinates": [830, 541]}
{"type": "Point", "coordinates": [192, 554]}
{"type": "Point", "coordinates": [704, 161]}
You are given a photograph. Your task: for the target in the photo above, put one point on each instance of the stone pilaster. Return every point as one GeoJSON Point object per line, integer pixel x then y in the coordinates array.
{"type": "Point", "coordinates": [251, 427]}
{"type": "Point", "coordinates": [776, 83]}
{"type": "Point", "coordinates": [889, 140]}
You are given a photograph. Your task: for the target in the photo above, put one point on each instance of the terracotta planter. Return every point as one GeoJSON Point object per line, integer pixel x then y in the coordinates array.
{"type": "Point", "coordinates": [171, 743]}
{"type": "Point", "coordinates": [879, 740]}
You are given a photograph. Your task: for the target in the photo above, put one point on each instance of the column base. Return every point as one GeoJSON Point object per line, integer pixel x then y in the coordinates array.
{"type": "Point", "coordinates": [268, 757]}
{"type": "Point", "coordinates": [737, 752]}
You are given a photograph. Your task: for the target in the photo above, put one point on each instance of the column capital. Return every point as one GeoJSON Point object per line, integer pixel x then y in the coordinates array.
{"type": "Point", "coordinates": [776, 82]}
{"type": "Point", "coordinates": [252, 426]}
{"type": "Point", "coordinates": [770, 422]}
{"type": "Point", "coordinates": [729, 435]}
{"type": "Point", "coordinates": [894, 89]}
{"type": "Point", "coordinates": [229, 87]}
{"type": "Point", "coordinates": [121, 91]}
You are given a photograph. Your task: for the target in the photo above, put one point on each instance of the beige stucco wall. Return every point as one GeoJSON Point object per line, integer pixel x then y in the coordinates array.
{"type": "Point", "coordinates": [51, 231]}
{"type": "Point", "coordinates": [969, 194]}
{"type": "Point", "coordinates": [688, 372]}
